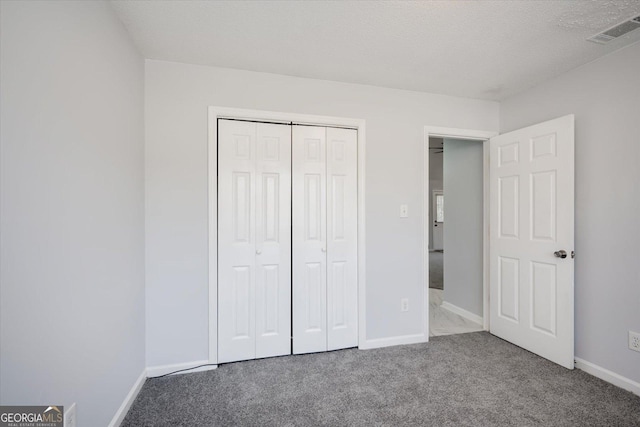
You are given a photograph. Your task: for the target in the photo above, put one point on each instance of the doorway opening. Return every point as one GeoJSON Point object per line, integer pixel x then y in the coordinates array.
{"type": "Point", "coordinates": [455, 274]}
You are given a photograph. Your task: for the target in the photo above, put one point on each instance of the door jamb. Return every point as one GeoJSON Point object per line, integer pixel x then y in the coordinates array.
{"type": "Point", "coordinates": [215, 113]}
{"type": "Point", "coordinates": [457, 133]}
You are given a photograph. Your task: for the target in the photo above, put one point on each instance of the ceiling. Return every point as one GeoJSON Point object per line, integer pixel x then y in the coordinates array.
{"type": "Point", "coordinates": [477, 49]}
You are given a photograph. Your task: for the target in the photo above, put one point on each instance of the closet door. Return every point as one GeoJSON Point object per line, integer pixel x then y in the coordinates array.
{"type": "Point", "coordinates": [254, 241]}
{"type": "Point", "coordinates": [236, 240]}
{"type": "Point", "coordinates": [273, 240]}
{"type": "Point", "coordinates": [342, 238]}
{"type": "Point", "coordinates": [309, 240]}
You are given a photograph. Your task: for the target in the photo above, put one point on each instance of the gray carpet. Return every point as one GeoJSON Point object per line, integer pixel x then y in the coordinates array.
{"type": "Point", "coordinates": [470, 379]}
{"type": "Point", "coordinates": [436, 270]}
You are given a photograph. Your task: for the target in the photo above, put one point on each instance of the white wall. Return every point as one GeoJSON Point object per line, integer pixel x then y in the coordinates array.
{"type": "Point", "coordinates": [435, 183]}
{"type": "Point", "coordinates": [72, 208]}
{"type": "Point", "coordinates": [464, 218]}
{"type": "Point", "coordinates": [177, 97]}
{"type": "Point", "coordinates": [605, 97]}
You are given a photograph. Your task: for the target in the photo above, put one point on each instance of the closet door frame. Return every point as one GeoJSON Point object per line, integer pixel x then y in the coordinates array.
{"type": "Point", "coordinates": [216, 113]}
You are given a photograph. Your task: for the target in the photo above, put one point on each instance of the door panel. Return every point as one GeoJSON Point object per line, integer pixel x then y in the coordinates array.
{"type": "Point", "coordinates": [236, 240]}
{"type": "Point", "coordinates": [342, 249]}
{"type": "Point", "coordinates": [309, 240]}
{"type": "Point", "coordinates": [254, 240]}
{"type": "Point", "coordinates": [531, 217]}
{"type": "Point", "coordinates": [273, 240]}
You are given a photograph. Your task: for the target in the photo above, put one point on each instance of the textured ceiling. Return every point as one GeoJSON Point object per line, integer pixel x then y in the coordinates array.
{"type": "Point", "coordinates": [477, 49]}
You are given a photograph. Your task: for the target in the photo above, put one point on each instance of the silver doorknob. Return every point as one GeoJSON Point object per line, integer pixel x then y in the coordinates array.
{"type": "Point", "coordinates": [258, 251]}
{"type": "Point", "coordinates": [561, 253]}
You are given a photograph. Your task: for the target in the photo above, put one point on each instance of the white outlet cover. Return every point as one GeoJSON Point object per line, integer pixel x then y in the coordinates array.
{"type": "Point", "coordinates": [634, 341]}
{"type": "Point", "coordinates": [404, 211]}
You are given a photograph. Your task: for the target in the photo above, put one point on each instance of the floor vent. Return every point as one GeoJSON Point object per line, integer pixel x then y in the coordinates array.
{"type": "Point", "coordinates": [616, 31]}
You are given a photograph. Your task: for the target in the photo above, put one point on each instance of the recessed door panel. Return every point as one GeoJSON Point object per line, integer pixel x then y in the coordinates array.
{"type": "Point", "coordinates": [313, 213]}
{"type": "Point", "coordinates": [241, 205]}
{"type": "Point", "coordinates": [543, 297]}
{"type": "Point", "coordinates": [543, 206]}
{"type": "Point", "coordinates": [241, 302]}
{"type": "Point", "coordinates": [338, 207]}
{"type": "Point", "coordinates": [509, 287]}
{"type": "Point", "coordinates": [543, 146]}
{"type": "Point", "coordinates": [340, 297]}
{"type": "Point", "coordinates": [271, 213]}
{"type": "Point", "coordinates": [508, 207]}
{"type": "Point", "coordinates": [313, 292]}
{"type": "Point", "coordinates": [508, 154]}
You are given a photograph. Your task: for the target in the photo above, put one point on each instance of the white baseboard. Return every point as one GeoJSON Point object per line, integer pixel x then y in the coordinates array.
{"type": "Point", "coordinates": [608, 376]}
{"type": "Point", "coordinates": [462, 312]}
{"type": "Point", "coordinates": [154, 371]}
{"type": "Point", "coordinates": [128, 401]}
{"type": "Point", "coordinates": [388, 342]}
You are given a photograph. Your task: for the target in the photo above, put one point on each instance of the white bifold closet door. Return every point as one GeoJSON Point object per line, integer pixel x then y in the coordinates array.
{"type": "Point", "coordinates": [254, 240]}
{"type": "Point", "coordinates": [325, 278]}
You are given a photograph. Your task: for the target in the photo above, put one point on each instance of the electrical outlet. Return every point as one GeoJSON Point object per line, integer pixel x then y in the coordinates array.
{"type": "Point", "coordinates": [404, 211]}
{"type": "Point", "coordinates": [404, 304]}
{"type": "Point", "coordinates": [634, 341]}
{"type": "Point", "coordinates": [70, 416]}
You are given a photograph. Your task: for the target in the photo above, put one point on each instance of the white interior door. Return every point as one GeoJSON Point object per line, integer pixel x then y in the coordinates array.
{"type": "Point", "coordinates": [254, 240]}
{"type": "Point", "coordinates": [325, 252]}
{"type": "Point", "coordinates": [342, 235]}
{"type": "Point", "coordinates": [309, 240]}
{"type": "Point", "coordinates": [531, 221]}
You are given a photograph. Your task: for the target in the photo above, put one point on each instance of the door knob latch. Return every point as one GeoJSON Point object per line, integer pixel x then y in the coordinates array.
{"type": "Point", "coordinates": [560, 254]}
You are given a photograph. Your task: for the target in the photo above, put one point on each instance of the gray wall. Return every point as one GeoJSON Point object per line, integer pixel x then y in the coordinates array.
{"type": "Point", "coordinates": [72, 212]}
{"type": "Point", "coordinates": [177, 97]}
{"type": "Point", "coordinates": [463, 233]}
{"type": "Point", "coordinates": [605, 97]}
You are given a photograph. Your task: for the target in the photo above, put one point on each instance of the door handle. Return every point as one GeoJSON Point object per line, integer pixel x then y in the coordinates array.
{"type": "Point", "coordinates": [324, 249]}
{"type": "Point", "coordinates": [560, 254]}
{"type": "Point", "coordinates": [258, 251]}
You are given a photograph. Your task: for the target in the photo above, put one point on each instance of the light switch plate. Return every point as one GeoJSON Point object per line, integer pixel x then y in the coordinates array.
{"type": "Point", "coordinates": [404, 211]}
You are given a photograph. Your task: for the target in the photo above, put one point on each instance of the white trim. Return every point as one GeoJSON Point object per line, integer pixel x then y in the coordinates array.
{"type": "Point", "coordinates": [212, 169]}
{"type": "Point", "coordinates": [273, 116]}
{"type": "Point", "coordinates": [485, 237]}
{"type": "Point", "coordinates": [426, 227]}
{"type": "Point", "coordinates": [455, 133]}
{"type": "Point", "coordinates": [388, 342]}
{"type": "Point", "coordinates": [155, 371]}
{"type": "Point", "coordinates": [462, 312]}
{"type": "Point", "coordinates": [608, 376]}
{"type": "Point", "coordinates": [484, 136]}
{"type": "Point", "coordinates": [128, 401]}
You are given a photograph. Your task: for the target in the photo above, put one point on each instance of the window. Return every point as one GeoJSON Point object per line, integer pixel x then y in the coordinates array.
{"type": "Point", "coordinates": [439, 207]}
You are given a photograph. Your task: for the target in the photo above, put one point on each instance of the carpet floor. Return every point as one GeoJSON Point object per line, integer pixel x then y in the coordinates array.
{"type": "Point", "coordinates": [470, 379]}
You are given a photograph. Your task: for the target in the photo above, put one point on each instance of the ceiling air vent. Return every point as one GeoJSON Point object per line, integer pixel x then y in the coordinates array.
{"type": "Point", "coordinates": [616, 31]}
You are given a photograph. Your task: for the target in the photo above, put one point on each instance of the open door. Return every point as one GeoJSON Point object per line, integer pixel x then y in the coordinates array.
{"type": "Point", "coordinates": [531, 181]}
